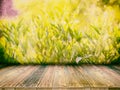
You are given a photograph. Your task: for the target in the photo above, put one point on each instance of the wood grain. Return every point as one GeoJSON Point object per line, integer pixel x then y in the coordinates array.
{"type": "Point", "coordinates": [56, 77]}
{"type": "Point", "coordinates": [48, 78]}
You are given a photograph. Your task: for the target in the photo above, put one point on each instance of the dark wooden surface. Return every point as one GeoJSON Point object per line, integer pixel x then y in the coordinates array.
{"type": "Point", "coordinates": [38, 77]}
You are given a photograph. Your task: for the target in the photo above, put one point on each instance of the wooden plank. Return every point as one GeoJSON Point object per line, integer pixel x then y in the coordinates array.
{"type": "Point", "coordinates": [85, 75]}
{"type": "Point", "coordinates": [25, 88]}
{"type": "Point", "coordinates": [13, 76]}
{"type": "Point", "coordinates": [104, 77]}
{"type": "Point", "coordinates": [59, 77]}
{"type": "Point", "coordinates": [111, 69]}
{"type": "Point", "coordinates": [115, 77]}
{"type": "Point", "coordinates": [97, 82]}
{"type": "Point", "coordinates": [99, 88]}
{"type": "Point", "coordinates": [114, 69]}
{"type": "Point", "coordinates": [23, 76]}
{"type": "Point", "coordinates": [34, 78]}
{"type": "Point", "coordinates": [82, 80]}
{"type": "Point", "coordinates": [71, 80]}
{"type": "Point", "coordinates": [101, 77]}
{"type": "Point", "coordinates": [6, 77]}
{"type": "Point", "coordinates": [117, 67]}
{"type": "Point", "coordinates": [9, 88]}
{"type": "Point", "coordinates": [43, 89]}
{"type": "Point", "coordinates": [18, 79]}
{"type": "Point", "coordinates": [48, 78]}
{"type": "Point", "coordinates": [6, 70]}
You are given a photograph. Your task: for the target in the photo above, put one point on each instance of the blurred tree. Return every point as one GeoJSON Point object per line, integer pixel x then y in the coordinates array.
{"type": "Point", "coordinates": [6, 8]}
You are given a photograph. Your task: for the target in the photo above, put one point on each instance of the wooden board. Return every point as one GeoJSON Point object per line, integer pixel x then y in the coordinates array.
{"type": "Point", "coordinates": [56, 77]}
{"type": "Point", "coordinates": [48, 78]}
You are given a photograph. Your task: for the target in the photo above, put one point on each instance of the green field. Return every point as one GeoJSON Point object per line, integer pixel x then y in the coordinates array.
{"type": "Point", "coordinates": [61, 32]}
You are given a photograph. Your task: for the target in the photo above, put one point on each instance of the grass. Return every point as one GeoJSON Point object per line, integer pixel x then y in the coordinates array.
{"type": "Point", "coordinates": [61, 32]}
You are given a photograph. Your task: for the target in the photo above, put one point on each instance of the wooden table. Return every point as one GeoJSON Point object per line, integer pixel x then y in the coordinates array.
{"type": "Point", "coordinates": [60, 77]}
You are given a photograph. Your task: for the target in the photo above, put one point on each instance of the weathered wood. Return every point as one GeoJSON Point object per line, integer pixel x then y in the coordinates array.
{"type": "Point", "coordinates": [82, 80]}
{"type": "Point", "coordinates": [93, 77]}
{"type": "Point", "coordinates": [117, 70]}
{"type": "Point", "coordinates": [48, 78]}
{"type": "Point", "coordinates": [6, 69]}
{"type": "Point", "coordinates": [32, 80]}
{"type": "Point", "coordinates": [59, 77]}
{"type": "Point", "coordinates": [25, 88]}
{"type": "Point", "coordinates": [113, 76]}
{"type": "Point", "coordinates": [103, 76]}
{"type": "Point", "coordinates": [27, 71]}
{"type": "Point", "coordinates": [4, 78]}
{"type": "Point", "coordinates": [84, 77]}
{"type": "Point", "coordinates": [72, 81]}
{"type": "Point", "coordinates": [15, 76]}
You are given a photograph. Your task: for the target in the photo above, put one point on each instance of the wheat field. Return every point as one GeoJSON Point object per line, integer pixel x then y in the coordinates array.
{"type": "Point", "coordinates": [61, 32]}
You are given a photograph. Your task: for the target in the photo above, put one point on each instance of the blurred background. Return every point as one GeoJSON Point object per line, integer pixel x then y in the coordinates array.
{"type": "Point", "coordinates": [59, 31]}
